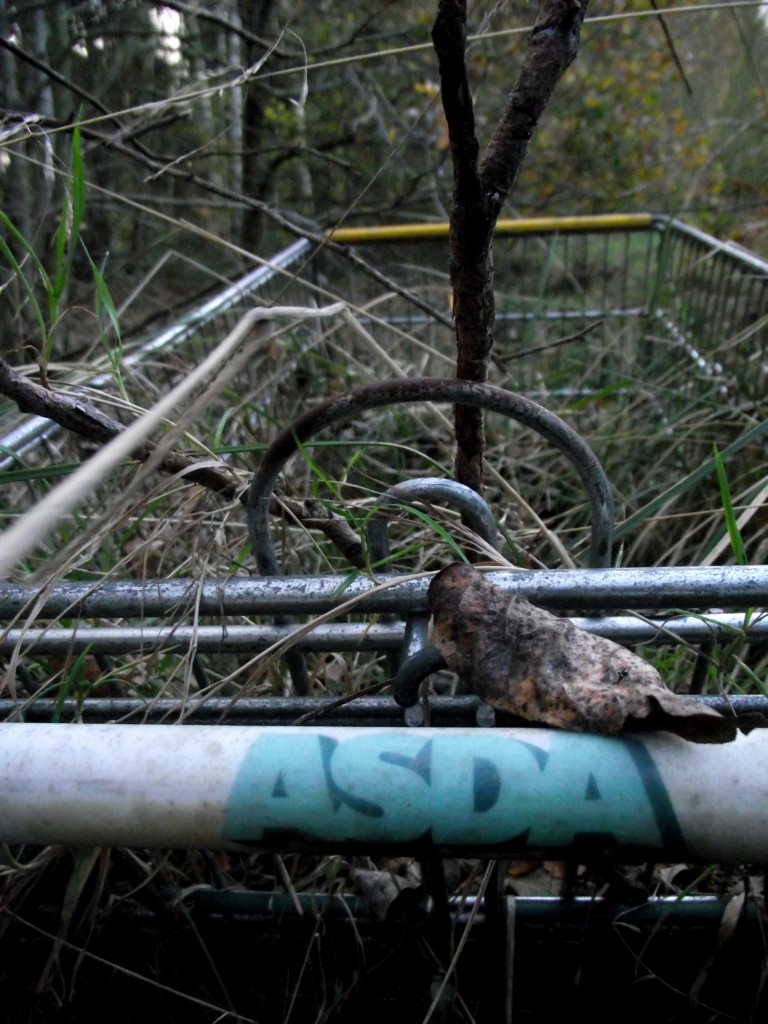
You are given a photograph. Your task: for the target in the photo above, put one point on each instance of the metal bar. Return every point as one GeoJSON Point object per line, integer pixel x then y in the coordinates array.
{"type": "Point", "coordinates": [595, 313]}
{"type": "Point", "coordinates": [473, 507]}
{"type": "Point", "coordinates": [251, 711]}
{"type": "Point", "coordinates": [340, 636]}
{"type": "Point", "coordinates": [457, 392]}
{"type": "Point", "coordinates": [33, 429]}
{"type": "Point", "coordinates": [349, 636]}
{"type": "Point", "coordinates": [712, 245]}
{"type": "Point", "coordinates": [523, 226]}
{"type": "Point", "coordinates": [445, 712]}
{"type": "Point", "coordinates": [222, 301]}
{"type": "Point", "coordinates": [488, 792]}
{"type": "Point", "coordinates": [726, 274]}
{"type": "Point", "coordinates": [693, 629]}
{"type": "Point", "coordinates": [586, 911]}
{"type": "Point", "coordinates": [688, 588]}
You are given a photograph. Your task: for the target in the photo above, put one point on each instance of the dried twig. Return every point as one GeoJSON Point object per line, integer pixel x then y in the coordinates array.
{"type": "Point", "coordinates": [82, 417]}
{"type": "Point", "coordinates": [25, 533]}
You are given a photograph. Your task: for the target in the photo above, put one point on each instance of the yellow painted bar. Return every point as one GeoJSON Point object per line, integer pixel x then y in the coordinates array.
{"type": "Point", "coordinates": [523, 226]}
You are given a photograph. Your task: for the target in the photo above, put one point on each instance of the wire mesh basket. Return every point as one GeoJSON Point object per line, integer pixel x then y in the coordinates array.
{"type": "Point", "coordinates": [675, 309]}
{"type": "Point", "coordinates": [592, 314]}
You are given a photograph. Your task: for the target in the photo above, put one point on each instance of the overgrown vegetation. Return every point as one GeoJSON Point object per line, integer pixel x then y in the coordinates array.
{"type": "Point", "coordinates": [612, 331]}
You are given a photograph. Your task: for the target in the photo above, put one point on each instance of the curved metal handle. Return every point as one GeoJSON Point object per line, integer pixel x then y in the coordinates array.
{"type": "Point", "coordinates": [473, 507]}
{"type": "Point", "coordinates": [429, 389]}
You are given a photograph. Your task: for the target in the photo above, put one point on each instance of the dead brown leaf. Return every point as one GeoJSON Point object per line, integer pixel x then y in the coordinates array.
{"type": "Point", "coordinates": [532, 664]}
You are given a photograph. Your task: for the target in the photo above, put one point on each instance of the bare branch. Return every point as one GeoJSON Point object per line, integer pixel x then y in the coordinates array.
{"type": "Point", "coordinates": [481, 186]}
{"type": "Point", "coordinates": [470, 239]}
{"type": "Point", "coordinates": [552, 48]}
{"type": "Point", "coordinates": [81, 416]}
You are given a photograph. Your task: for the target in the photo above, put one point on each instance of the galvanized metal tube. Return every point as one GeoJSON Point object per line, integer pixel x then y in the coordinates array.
{"type": "Point", "coordinates": [692, 629]}
{"type": "Point", "coordinates": [473, 507]}
{"type": "Point", "coordinates": [483, 792]}
{"type": "Point", "coordinates": [349, 636]}
{"type": "Point", "coordinates": [539, 911]}
{"type": "Point", "coordinates": [340, 636]}
{"type": "Point", "coordinates": [735, 586]}
{"type": "Point", "coordinates": [363, 711]}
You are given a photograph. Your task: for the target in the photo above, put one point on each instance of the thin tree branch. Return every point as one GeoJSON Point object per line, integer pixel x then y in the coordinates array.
{"type": "Point", "coordinates": [552, 48]}
{"type": "Point", "coordinates": [673, 49]}
{"type": "Point", "coordinates": [67, 83]}
{"type": "Point", "coordinates": [482, 185]}
{"type": "Point", "coordinates": [82, 417]}
{"type": "Point", "coordinates": [297, 230]}
{"type": "Point", "coordinates": [470, 237]}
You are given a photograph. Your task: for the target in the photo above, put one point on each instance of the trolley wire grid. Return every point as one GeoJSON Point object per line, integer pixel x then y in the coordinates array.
{"type": "Point", "coordinates": [102, 665]}
{"type": "Point", "coordinates": [642, 270]}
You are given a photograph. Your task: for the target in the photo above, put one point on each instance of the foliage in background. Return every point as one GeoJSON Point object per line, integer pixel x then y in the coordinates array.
{"type": "Point", "coordinates": [342, 122]}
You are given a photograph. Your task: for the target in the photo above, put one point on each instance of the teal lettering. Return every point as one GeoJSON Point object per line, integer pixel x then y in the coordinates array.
{"type": "Point", "coordinates": [458, 787]}
{"type": "Point", "coordinates": [279, 788]}
{"type": "Point", "coordinates": [591, 786]}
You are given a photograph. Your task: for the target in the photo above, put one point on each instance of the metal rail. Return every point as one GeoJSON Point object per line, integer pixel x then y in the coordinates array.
{"type": "Point", "coordinates": [734, 586]}
{"type": "Point", "coordinates": [349, 636]}
{"type": "Point", "coordinates": [364, 711]}
{"type": "Point", "coordinates": [504, 226]}
{"type": "Point", "coordinates": [472, 792]}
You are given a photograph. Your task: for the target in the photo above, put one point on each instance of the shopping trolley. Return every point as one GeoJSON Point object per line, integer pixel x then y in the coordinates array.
{"type": "Point", "coordinates": [441, 778]}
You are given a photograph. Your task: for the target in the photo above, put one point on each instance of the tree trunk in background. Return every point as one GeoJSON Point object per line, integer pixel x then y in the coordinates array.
{"type": "Point", "coordinates": [27, 177]}
{"type": "Point", "coordinates": [255, 19]}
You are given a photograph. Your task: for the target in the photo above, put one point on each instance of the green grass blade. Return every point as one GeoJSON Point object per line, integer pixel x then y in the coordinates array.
{"type": "Point", "coordinates": [316, 470]}
{"type": "Point", "coordinates": [704, 470]}
{"type": "Point", "coordinates": [734, 534]}
{"type": "Point", "coordinates": [19, 272]}
{"type": "Point", "coordinates": [68, 232]}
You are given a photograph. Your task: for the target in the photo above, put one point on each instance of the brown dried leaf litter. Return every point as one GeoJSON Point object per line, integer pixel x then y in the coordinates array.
{"type": "Point", "coordinates": [527, 662]}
